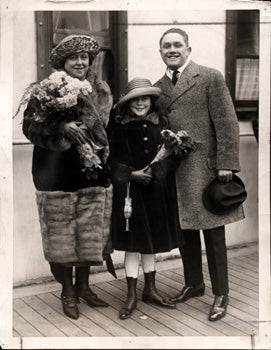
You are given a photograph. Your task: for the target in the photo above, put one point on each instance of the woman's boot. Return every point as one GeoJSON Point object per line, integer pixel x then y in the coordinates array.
{"type": "Point", "coordinates": [57, 271]}
{"type": "Point", "coordinates": [151, 295]}
{"type": "Point", "coordinates": [68, 296]}
{"type": "Point", "coordinates": [131, 301]}
{"type": "Point", "coordinates": [82, 288]}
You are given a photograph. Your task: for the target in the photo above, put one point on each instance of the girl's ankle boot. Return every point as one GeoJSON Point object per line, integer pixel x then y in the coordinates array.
{"type": "Point", "coordinates": [131, 301]}
{"type": "Point", "coordinates": [151, 295]}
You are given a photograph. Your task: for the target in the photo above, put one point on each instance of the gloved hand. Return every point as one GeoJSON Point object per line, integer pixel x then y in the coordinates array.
{"type": "Point", "coordinates": [224, 175]}
{"type": "Point", "coordinates": [74, 133]}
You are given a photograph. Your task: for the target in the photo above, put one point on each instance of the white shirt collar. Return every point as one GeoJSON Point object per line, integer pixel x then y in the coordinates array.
{"type": "Point", "coordinates": [169, 72]}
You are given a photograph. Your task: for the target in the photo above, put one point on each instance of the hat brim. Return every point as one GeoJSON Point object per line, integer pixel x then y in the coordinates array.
{"type": "Point", "coordinates": [214, 208]}
{"type": "Point", "coordinates": [151, 91]}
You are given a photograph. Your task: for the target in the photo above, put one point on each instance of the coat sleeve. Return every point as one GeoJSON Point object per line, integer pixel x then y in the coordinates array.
{"type": "Point", "coordinates": [41, 134]}
{"type": "Point", "coordinates": [119, 159]}
{"type": "Point", "coordinates": [225, 123]}
{"type": "Point", "coordinates": [164, 167]}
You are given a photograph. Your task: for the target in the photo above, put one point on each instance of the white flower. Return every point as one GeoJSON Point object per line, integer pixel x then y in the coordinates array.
{"type": "Point", "coordinates": [67, 101]}
{"type": "Point", "coordinates": [41, 95]}
{"type": "Point", "coordinates": [68, 88]}
{"type": "Point", "coordinates": [44, 82]}
{"type": "Point", "coordinates": [64, 90]}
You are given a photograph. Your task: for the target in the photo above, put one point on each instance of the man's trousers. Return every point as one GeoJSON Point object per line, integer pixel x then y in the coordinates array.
{"type": "Point", "coordinates": [216, 252]}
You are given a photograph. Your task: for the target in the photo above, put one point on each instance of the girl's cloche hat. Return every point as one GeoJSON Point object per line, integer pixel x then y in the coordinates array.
{"type": "Point", "coordinates": [71, 44]}
{"type": "Point", "coordinates": [138, 87]}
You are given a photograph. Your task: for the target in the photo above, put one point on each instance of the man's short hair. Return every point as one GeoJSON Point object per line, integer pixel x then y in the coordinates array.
{"type": "Point", "coordinates": [176, 30]}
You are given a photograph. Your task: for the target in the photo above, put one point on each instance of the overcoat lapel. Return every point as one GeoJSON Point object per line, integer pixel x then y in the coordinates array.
{"type": "Point", "coordinates": [166, 86]}
{"type": "Point", "coordinates": [186, 81]}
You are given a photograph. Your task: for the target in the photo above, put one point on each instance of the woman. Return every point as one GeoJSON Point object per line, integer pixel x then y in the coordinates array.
{"type": "Point", "coordinates": [74, 210]}
{"type": "Point", "coordinates": [153, 226]}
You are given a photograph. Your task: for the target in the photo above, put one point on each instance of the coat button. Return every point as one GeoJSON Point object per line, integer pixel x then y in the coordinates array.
{"type": "Point", "coordinates": [146, 151]}
{"type": "Point", "coordinates": [145, 139]}
{"type": "Point", "coordinates": [144, 125]}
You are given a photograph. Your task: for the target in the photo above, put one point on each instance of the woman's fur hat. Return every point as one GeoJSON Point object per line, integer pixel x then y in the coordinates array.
{"type": "Point", "coordinates": [70, 45]}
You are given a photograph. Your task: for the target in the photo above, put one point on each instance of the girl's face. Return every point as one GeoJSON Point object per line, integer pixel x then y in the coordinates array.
{"type": "Point", "coordinates": [140, 105]}
{"type": "Point", "coordinates": [77, 65]}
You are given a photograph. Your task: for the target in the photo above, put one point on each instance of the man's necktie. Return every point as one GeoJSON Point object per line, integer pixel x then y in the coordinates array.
{"type": "Point", "coordinates": [175, 76]}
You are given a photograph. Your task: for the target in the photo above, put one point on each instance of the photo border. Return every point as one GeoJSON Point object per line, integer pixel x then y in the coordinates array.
{"type": "Point", "coordinates": [7, 341]}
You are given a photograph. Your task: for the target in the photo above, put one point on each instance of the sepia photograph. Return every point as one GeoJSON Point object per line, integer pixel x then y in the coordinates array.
{"type": "Point", "coordinates": [135, 199]}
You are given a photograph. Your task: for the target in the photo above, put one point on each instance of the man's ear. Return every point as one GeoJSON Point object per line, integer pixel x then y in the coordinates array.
{"type": "Point", "coordinates": [160, 53]}
{"type": "Point", "coordinates": [190, 50]}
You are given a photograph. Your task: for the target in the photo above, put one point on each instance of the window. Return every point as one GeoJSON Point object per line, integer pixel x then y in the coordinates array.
{"type": "Point", "coordinates": [242, 61]}
{"type": "Point", "coordinates": [107, 27]}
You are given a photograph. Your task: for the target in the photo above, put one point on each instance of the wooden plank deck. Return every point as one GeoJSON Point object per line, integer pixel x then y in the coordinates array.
{"type": "Point", "coordinates": [38, 310]}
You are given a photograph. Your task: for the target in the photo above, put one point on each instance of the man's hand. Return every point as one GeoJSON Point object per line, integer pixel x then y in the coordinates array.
{"type": "Point", "coordinates": [141, 176]}
{"type": "Point", "coordinates": [224, 175]}
{"type": "Point", "coordinates": [74, 133]}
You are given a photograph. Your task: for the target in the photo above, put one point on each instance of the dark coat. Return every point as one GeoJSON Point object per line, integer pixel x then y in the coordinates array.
{"type": "Point", "coordinates": [200, 103]}
{"type": "Point", "coordinates": [56, 163]}
{"type": "Point", "coordinates": [154, 225]}
{"type": "Point", "coordinates": [74, 212]}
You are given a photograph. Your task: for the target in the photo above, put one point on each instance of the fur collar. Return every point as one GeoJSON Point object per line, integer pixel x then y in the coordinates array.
{"type": "Point", "coordinates": [151, 117]}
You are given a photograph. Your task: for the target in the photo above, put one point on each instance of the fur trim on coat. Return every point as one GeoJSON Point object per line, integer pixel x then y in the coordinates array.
{"type": "Point", "coordinates": [75, 226]}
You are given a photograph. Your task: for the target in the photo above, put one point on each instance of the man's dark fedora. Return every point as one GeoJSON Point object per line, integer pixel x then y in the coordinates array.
{"type": "Point", "coordinates": [223, 197]}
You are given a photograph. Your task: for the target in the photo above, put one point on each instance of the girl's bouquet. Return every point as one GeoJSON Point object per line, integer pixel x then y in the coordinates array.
{"type": "Point", "coordinates": [177, 144]}
{"type": "Point", "coordinates": [61, 98]}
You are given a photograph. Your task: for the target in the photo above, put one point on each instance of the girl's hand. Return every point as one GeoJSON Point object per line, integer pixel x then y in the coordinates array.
{"type": "Point", "coordinates": [147, 170]}
{"type": "Point", "coordinates": [141, 177]}
{"type": "Point", "coordinates": [74, 133]}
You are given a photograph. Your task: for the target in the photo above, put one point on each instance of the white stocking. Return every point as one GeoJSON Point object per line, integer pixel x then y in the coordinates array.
{"type": "Point", "coordinates": [148, 262]}
{"type": "Point", "coordinates": [131, 263]}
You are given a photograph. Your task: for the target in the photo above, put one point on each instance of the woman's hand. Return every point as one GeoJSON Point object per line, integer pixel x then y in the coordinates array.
{"type": "Point", "coordinates": [74, 133]}
{"type": "Point", "coordinates": [141, 176]}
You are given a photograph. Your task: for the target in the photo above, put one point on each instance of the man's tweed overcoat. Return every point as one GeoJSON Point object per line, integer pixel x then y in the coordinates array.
{"type": "Point", "coordinates": [200, 103]}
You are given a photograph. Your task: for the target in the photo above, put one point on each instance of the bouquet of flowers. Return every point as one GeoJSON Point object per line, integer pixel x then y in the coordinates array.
{"type": "Point", "coordinates": [70, 98]}
{"type": "Point", "coordinates": [178, 143]}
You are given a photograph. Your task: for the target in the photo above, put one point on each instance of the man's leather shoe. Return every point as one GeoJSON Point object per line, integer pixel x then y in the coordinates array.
{"type": "Point", "coordinates": [219, 308]}
{"type": "Point", "coordinates": [69, 304]}
{"type": "Point", "coordinates": [189, 292]}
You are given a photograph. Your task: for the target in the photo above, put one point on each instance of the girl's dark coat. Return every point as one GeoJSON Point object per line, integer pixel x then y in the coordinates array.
{"type": "Point", "coordinates": [154, 225]}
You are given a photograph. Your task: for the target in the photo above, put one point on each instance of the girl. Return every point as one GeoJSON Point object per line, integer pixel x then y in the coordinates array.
{"type": "Point", "coordinates": [153, 225]}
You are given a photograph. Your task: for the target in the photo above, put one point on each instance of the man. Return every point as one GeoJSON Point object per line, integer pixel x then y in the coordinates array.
{"type": "Point", "coordinates": [197, 100]}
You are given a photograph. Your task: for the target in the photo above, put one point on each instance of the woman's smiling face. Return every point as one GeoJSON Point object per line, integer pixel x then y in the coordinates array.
{"type": "Point", "coordinates": [77, 65]}
{"type": "Point", "coordinates": [140, 106]}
